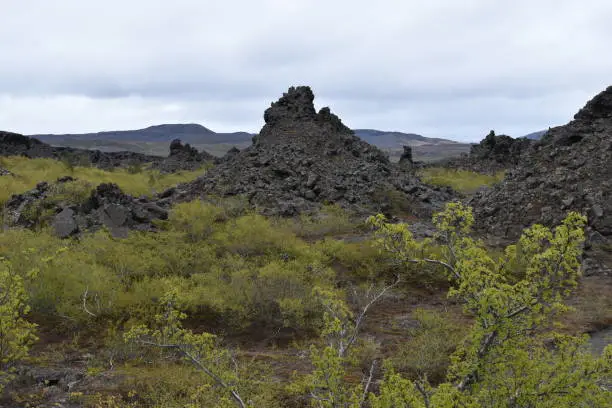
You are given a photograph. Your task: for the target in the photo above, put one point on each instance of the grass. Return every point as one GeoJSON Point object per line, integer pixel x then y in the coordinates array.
{"type": "Point", "coordinates": [29, 172]}
{"type": "Point", "coordinates": [463, 181]}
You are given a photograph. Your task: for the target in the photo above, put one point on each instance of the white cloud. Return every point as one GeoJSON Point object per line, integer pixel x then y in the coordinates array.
{"type": "Point", "coordinates": [441, 67]}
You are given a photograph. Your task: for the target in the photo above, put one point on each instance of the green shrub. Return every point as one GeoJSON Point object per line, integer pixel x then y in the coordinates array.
{"type": "Point", "coordinates": [361, 260]}
{"type": "Point", "coordinates": [330, 220]}
{"type": "Point", "coordinates": [245, 271]}
{"type": "Point", "coordinates": [16, 333]}
{"type": "Point", "coordinates": [197, 219]}
{"type": "Point", "coordinates": [392, 201]}
{"type": "Point", "coordinates": [427, 351]}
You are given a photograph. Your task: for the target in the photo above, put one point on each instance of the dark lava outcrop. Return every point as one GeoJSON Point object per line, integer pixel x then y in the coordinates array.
{"type": "Point", "coordinates": [14, 144]}
{"type": "Point", "coordinates": [569, 169]}
{"type": "Point", "coordinates": [183, 157]}
{"type": "Point", "coordinates": [303, 158]}
{"type": "Point", "coordinates": [494, 153]}
{"type": "Point", "coordinates": [406, 160]}
{"type": "Point", "coordinates": [106, 206]}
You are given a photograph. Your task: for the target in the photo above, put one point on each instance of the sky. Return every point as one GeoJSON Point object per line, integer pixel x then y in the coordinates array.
{"type": "Point", "coordinates": [440, 68]}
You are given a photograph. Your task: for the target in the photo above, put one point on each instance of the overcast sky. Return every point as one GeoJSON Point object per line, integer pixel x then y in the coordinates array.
{"type": "Point", "coordinates": [443, 68]}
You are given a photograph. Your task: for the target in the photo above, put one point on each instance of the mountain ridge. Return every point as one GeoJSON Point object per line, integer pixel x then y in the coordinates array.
{"type": "Point", "coordinates": [154, 140]}
{"type": "Point", "coordinates": [191, 132]}
{"type": "Point", "coordinates": [187, 132]}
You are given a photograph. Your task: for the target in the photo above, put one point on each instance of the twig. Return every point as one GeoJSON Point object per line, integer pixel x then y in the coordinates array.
{"type": "Point", "coordinates": [85, 303]}
{"type": "Point", "coordinates": [364, 396]}
{"type": "Point", "coordinates": [362, 314]}
{"type": "Point", "coordinates": [203, 368]}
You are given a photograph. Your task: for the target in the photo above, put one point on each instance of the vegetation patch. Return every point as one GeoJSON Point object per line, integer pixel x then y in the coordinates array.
{"type": "Point", "coordinates": [168, 312]}
{"type": "Point", "coordinates": [463, 181]}
{"type": "Point", "coordinates": [135, 181]}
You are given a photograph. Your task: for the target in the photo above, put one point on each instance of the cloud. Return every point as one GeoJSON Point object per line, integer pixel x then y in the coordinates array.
{"type": "Point", "coordinates": [441, 67]}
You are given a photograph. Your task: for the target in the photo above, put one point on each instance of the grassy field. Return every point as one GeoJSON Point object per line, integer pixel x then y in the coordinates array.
{"type": "Point", "coordinates": [28, 172]}
{"type": "Point", "coordinates": [463, 181]}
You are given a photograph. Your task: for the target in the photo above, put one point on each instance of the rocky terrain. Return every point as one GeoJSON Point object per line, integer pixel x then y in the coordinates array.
{"type": "Point", "coordinates": [302, 159]}
{"type": "Point", "coordinates": [106, 206]}
{"type": "Point", "coordinates": [570, 169]}
{"type": "Point", "coordinates": [536, 135]}
{"type": "Point", "coordinates": [494, 153]}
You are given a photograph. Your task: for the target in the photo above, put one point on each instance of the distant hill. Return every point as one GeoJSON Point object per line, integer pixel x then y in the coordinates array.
{"type": "Point", "coordinates": [384, 139]}
{"type": "Point", "coordinates": [535, 135]}
{"type": "Point", "coordinates": [188, 133]}
{"type": "Point", "coordinates": [423, 148]}
{"type": "Point", "coordinates": [156, 139]}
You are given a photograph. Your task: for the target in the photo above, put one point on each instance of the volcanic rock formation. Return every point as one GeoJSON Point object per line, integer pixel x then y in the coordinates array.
{"type": "Point", "coordinates": [14, 144]}
{"type": "Point", "coordinates": [569, 169]}
{"type": "Point", "coordinates": [494, 153]}
{"type": "Point", "coordinates": [183, 157]}
{"type": "Point", "coordinates": [303, 158]}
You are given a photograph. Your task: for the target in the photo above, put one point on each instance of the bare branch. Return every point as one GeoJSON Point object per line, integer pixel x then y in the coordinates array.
{"type": "Point", "coordinates": [85, 303]}
{"type": "Point", "coordinates": [364, 396]}
{"type": "Point", "coordinates": [362, 314]}
{"type": "Point", "coordinates": [423, 392]}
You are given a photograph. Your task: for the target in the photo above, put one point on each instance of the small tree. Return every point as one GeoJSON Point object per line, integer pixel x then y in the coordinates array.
{"type": "Point", "coordinates": [201, 350]}
{"type": "Point", "coordinates": [326, 385]}
{"type": "Point", "coordinates": [510, 358]}
{"type": "Point", "coordinates": [16, 333]}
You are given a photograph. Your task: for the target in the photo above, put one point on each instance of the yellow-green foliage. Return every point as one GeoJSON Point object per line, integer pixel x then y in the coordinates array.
{"type": "Point", "coordinates": [165, 385]}
{"type": "Point", "coordinates": [29, 172]}
{"type": "Point", "coordinates": [173, 385]}
{"type": "Point", "coordinates": [360, 259]}
{"type": "Point", "coordinates": [244, 270]}
{"type": "Point", "coordinates": [463, 181]}
{"type": "Point", "coordinates": [511, 355]}
{"type": "Point", "coordinates": [16, 333]}
{"type": "Point", "coordinates": [217, 378]}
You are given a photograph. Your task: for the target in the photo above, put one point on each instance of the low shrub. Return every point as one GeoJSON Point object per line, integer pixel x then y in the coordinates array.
{"type": "Point", "coordinates": [427, 350]}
